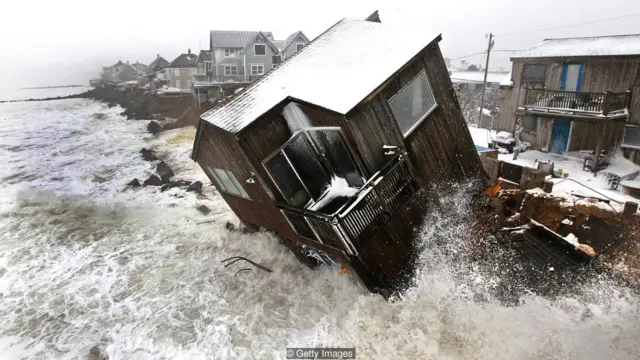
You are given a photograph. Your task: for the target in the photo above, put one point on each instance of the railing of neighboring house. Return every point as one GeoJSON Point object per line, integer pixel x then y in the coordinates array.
{"type": "Point", "coordinates": [358, 220]}
{"type": "Point", "coordinates": [602, 103]}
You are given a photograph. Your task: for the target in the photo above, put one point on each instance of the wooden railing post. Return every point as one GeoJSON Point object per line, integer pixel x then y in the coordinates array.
{"type": "Point", "coordinates": [605, 103]}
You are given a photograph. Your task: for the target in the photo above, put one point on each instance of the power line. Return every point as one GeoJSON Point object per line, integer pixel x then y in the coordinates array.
{"type": "Point", "coordinates": [572, 25]}
{"type": "Point", "coordinates": [466, 56]}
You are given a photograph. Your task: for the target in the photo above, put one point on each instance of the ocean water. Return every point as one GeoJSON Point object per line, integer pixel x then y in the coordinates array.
{"type": "Point", "coordinates": [87, 263]}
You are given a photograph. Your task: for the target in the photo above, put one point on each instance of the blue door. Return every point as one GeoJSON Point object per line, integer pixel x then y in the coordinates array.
{"type": "Point", "coordinates": [560, 135]}
{"type": "Point", "coordinates": [571, 77]}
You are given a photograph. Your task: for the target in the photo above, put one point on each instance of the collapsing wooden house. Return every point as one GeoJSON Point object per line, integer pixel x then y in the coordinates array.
{"type": "Point", "coordinates": [330, 149]}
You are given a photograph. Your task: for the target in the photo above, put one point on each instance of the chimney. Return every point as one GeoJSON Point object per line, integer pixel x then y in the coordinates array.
{"type": "Point", "coordinates": [189, 51]}
{"type": "Point", "coordinates": [158, 56]}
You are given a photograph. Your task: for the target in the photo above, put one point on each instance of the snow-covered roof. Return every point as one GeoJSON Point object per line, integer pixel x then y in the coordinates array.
{"type": "Point", "coordinates": [467, 77]}
{"type": "Point", "coordinates": [234, 39]}
{"type": "Point", "coordinates": [615, 45]}
{"type": "Point", "coordinates": [348, 54]}
{"type": "Point", "coordinates": [506, 81]}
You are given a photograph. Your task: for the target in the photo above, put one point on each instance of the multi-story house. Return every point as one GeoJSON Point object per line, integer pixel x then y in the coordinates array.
{"type": "Point", "coordinates": [179, 73]}
{"type": "Point", "coordinates": [294, 43]}
{"type": "Point", "coordinates": [576, 94]}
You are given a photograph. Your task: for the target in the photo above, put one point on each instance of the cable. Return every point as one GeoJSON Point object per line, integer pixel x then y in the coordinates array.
{"type": "Point", "coordinates": [466, 56]}
{"type": "Point", "coordinates": [567, 26]}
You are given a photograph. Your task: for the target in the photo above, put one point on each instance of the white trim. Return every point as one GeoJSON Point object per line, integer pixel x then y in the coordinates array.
{"type": "Point", "coordinates": [254, 50]}
{"type": "Point", "coordinates": [569, 139]}
{"type": "Point", "coordinates": [231, 54]}
{"type": "Point", "coordinates": [419, 121]}
{"type": "Point", "coordinates": [224, 69]}
{"type": "Point", "coordinates": [299, 43]}
{"type": "Point", "coordinates": [251, 69]}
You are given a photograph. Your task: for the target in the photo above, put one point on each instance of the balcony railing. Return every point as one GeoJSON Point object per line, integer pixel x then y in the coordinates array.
{"type": "Point", "coordinates": [204, 79]}
{"type": "Point", "coordinates": [590, 103]}
{"type": "Point", "coordinates": [363, 214]}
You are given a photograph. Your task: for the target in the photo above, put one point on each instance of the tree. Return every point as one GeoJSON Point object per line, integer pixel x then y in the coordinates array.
{"type": "Point", "coordinates": [473, 67]}
{"type": "Point", "coordinates": [469, 100]}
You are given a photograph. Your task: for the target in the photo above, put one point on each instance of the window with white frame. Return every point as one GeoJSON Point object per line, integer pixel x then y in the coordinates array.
{"type": "Point", "coordinates": [257, 69]}
{"type": "Point", "coordinates": [631, 136]}
{"type": "Point", "coordinates": [228, 52]}
{"type": "Point", "coordinates": [230, 69]}
{"type": "Point", "coordinates": [299, 46]}
{"type": "Point", "coordinates": [260, 49]}
{"type": "Point", "coordinates": [227, 182]}
{"type": "Point", "coordinates": [413, 103]}
{"type": "Point", "coordinates": [176, 72]}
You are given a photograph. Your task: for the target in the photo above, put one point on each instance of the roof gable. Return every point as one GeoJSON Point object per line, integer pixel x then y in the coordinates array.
{"type": "Point", "coordinates": [233, 39]}
{"type": "Point", "coordinates": [615, 45]}
{"type": "Point", "coordinates": [184, 61]}
{"type": "Point", "coordinates": [263, 37]}
{"type": "Point", "coordinates": [289, 40]}
{"type": "Point", "coordinates": [341, 54]}
{"type": "Point", "coordinates": [205, 55]}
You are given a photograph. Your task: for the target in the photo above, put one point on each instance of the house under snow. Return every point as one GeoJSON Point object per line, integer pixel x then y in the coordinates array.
{"type": "Point", "coordinates": [330, 149]}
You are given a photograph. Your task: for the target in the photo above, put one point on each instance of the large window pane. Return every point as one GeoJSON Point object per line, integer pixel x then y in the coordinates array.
{"type": "Point", "coordinates": [534, 73]}
{"type": "Point", "coordinates": [287, 181]}
{"type": "Point", "coordinates": [237, 184]}
{"type": "Point", "coordinates": [333, 148]}
{"type": "Point", "coordinates": [631, 136]}
{"type": "Point", "coordinates": [412, 104]}
{"type": "Point", "coordinates": [307, 165]}
{"type": "Point", "coordinates": [226, 182]}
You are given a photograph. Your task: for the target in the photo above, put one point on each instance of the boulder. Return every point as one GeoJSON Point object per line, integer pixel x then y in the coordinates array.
{"type": "Point", "coordinates": [164, 171]}
{"type": "Point", "coordinates": [229, 226]}
{"type": "Point", "coordinates": [180, 183]}
{"type": "Point", "coordinates": [154, 127]}
{"type": "Point", "coordinates": [153, 181]}
{"type": "Point", "coordinates": [148, 155]}
{"type": "Point", "coordinates": [195, 187]}
{"type": "Point", "coordinates": [165, 187]}
{"type": "Point", "coordinates": [134, 183]}
{"type": "Point", "coordinates": [97, 353]}
{"type": "Point", "coordinates": [203, 209]}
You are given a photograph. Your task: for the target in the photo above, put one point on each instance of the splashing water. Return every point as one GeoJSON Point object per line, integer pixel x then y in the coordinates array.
{"type": "Point", "coordinates": [138, 272]}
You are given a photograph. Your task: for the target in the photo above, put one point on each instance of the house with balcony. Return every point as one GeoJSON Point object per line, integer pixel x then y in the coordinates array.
{"type": "Point", "coordinates": [340, 173]}
{"type": "Point", "coordinates": [575, 94]}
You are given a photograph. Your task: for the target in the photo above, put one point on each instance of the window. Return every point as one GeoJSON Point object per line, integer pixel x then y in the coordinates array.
{"type": "Point", "coordinates": [176, 72]}
{"type": "Point", "coordinates": [230, 69]}
{"type": "Point", "coordinates": [228, 182]}
{"type": "Point", "coordinates": [208, 66]}
{"type": "Point", "coordinates": [413, 103]}
{"type": "Point", "coordinates": [257, 69]}
{"type": "Point", "coordinates": [260, 49]}
{"type": "Point", "coordinates": [631, 136]}
{"type": "Point", "coordinates": [299, 46]}
{"type": "Point", "coordinates": [228, 52]}
{"type": "Point", "coordinates": [534, 73]}
{"type": "Point", "coordinates": [178, 84]}
{"type": "Point", "coordinates": [529, 124]}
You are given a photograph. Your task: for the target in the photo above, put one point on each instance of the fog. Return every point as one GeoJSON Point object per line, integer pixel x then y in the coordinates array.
{"type": "Point", "coordinates": [67, 41]}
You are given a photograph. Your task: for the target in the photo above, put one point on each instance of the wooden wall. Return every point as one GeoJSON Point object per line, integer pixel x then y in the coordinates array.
{"type": "Point", "coordinates": [440, 148]}
{"type": "Point", "coordinates": [585, 134]}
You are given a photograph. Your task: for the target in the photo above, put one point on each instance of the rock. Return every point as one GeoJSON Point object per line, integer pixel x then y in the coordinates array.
{"type": "Point", "coordinates": [97, 353]}
{"type": "Point", "coordinates": [153, 181]}
{"type": "Point", "coordinates": [165, 187]}
{"type": "Point", "coordinates": [134, 183]}
{"type": "Point", "coordinates": [164, 171]}
{"type": "Point", "coordinates": [148, 155]}
{"type": "Point", "coordinates": [98, 179]}
{"type": "Point", "coordinates": [180, 183]}
{"type": "Point", "coordinates": [229, 226]}
{"type": "Point", "coordinates": [154, 127]}
{"type": "Point", "coordinates": [195, 187]}
{"type": "Point", "coordinates": [203, 209]}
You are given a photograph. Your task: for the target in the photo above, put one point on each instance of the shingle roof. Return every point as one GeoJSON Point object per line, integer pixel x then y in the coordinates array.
{"type": "Point", "coordinates": [206, 54]}
{"type": "Point", "coordinates": [615, 45]}
{"type": "Point", "coordinates": [184, 61]}
{"type": "Point", "coordinates": [268, 41]}
{"type": "Point", "coordinates": [290, 39]}
{"type": "Point", "coordinates": [154, 65]}
{"type": "Point", "coordinates": [341, 55]}
{"type": "Point", "coordinates": [233, 39]}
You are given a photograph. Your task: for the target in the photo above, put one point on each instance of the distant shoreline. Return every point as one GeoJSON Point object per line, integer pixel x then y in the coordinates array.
{"type": "Point", "coordinates": [50, 87]}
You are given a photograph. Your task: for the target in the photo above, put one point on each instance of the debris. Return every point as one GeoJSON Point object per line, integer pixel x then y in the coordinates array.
{"type": "Point", "coordinates": [241, 270]}
{"type": "Point", "coordinates": [164, 171]}
{"type": "Point", "coordinates": [153, 181]}
{"type": "Point", "coordinates": [234, 259]}
{"type": "Point", "coordinates": [203, 209]}
{"type": "Point", "coordinates": [195, 187]}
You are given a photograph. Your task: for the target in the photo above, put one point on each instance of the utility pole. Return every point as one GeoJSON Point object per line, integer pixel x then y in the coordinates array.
{"type": "Point", "coordinates": [484, 84]}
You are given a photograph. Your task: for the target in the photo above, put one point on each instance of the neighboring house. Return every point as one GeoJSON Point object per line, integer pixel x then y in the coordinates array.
{"type": "Point", "coordinates": [179, 73]}
{"type": "Point", "coordinates": [141, 68]}
{"type": "Point", "coordinates": [108, 72]}
{"type": "Point", "coordinates": [337, 169]}
{"type": "Point", "coordinates": [294, 43]}
{"type": "Point", "coordinates": [468, 86]}
{"type": "Point", "coordinates": [126, 72]}
{"type": "Point", "coordinates": [204, 67]}
{"type": "Point", "coordinates": [473, 80]}
{"type": "Point", "coordinates": [576, 94]}
{"type": "Point", "coordinates": [158, 64]}
{"type": "Point", "coordinates": [242, 56]}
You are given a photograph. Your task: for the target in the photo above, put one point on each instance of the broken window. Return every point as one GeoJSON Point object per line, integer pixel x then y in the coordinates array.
{"type": "Point", "coordinates": [534, 73]}
{"type": "Point", "coordinates": [260, 49]}
{"type": "Point", "coordinates": [631, 136]}
{"type": "Point", "coordinates": [227, 182]}
{"type": "Point", "coordinates": [413, 103]}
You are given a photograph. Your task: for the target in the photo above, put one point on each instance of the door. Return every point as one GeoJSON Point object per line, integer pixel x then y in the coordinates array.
{"type": "Point", "coordinates": [560, 135]}
{"type": "Point", "coordinates": [571, 76]}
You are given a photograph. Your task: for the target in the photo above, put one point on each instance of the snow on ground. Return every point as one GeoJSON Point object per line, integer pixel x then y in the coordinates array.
{"type": "Point", "coordinates": [480, 136]}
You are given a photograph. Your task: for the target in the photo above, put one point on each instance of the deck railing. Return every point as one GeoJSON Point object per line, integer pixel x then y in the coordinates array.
{"type": "Point", "coordinates": [358, 219]}
{"type": "Point", "coordinates": [602, 103]}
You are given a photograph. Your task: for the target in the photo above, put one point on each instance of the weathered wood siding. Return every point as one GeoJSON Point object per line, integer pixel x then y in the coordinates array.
{"type": "Point", "coordinates": [440, 147]}
{"type": "Point", "coordinates": [585, 134]}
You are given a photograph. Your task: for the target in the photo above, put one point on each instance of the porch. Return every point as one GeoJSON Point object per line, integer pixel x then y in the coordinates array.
{"type": "Point", "coordinates": [576, 104]}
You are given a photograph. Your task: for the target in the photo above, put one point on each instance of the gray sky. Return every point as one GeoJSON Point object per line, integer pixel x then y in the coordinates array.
{"type": "Point", "coordinates": [67, 41]}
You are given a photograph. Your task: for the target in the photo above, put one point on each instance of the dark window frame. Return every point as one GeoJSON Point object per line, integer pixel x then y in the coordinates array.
{"type": "Point", "coordinates": [624, 136]}
{"type": "Point", "coordinates": [255, 49]}
{"type": "Point", "coordinates": [421, 75]}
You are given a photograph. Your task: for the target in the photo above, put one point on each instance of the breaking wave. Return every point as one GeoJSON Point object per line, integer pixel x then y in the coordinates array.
{"type": "Point", "coordinates": [137, 273]}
